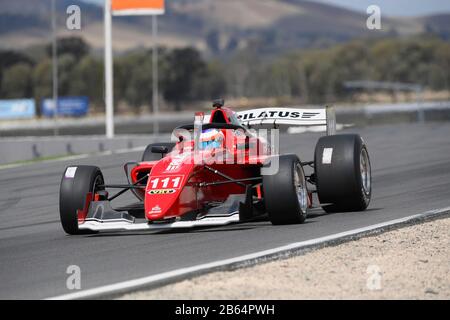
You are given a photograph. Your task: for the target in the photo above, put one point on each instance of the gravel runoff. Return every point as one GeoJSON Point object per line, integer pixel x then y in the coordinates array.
{"type": "Point", "coordinates": [407, 263]}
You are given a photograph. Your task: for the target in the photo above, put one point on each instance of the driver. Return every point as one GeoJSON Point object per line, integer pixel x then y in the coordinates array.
{"type": "Point", "coordinates": [211, 139]}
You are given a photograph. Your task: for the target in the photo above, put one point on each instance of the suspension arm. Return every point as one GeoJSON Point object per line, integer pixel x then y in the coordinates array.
{"type": "Point", "coordinates": [217, 183]}
{"type": "Point", "coordinates": [128, 187]}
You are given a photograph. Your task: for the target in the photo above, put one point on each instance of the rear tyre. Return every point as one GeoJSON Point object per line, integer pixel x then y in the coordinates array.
{"type": "Point", "coordinates": [148, 155]}
{"type": "Point", "coordinates": [343, 173]}
{"type": "Point", "coordinates": [76, 183]}
{"type": "Point", "coordinates": [285, 193]}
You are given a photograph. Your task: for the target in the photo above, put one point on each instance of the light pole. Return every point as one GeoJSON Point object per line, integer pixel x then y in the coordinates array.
{"type": "Point", "coordinates": [109, 100]}
{"type": "Point", "coordinates": [54, 69]}
{"type": "Point", "coordinates": [155, 74]}
{"type": "Point", "coordinates": [127, 8]}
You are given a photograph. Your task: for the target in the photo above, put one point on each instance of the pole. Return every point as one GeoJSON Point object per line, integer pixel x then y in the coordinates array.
{"type": "Point", "coordinates": [419, 100]}
{"type": "Point", "coordinates": [109, 99]}
{"type": "Point", "coordinates": [155, 74]}
{"type": "Point", "coordinates": [54, 70]}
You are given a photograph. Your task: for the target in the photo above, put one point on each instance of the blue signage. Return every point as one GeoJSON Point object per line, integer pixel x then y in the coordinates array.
{"type": "Point", "coordinates": [67, 106]}
{"type": "Point", "coordinates": [17, 109]}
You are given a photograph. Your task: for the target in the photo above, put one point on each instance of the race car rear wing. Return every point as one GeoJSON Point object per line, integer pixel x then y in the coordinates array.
{"type": "Point", "coordinates": [290, 116]}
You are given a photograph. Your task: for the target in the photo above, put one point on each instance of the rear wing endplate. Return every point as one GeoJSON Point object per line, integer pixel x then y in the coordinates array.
{"type": "Point", "coordinates": [290, 116]}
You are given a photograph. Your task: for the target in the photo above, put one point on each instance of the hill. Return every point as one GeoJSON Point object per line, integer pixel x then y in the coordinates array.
{"type": "Point", "coordinates": [214, 26]}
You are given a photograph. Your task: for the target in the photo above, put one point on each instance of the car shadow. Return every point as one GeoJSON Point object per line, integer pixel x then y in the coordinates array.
{"type": "Point", "coordinates": [256, 223]}
{"type": "Point", "coordinates": [251, 225]}
{"type": "Point", "coordinates": [166, 232]}
{"type": "Point", "coordinates": [206, 229]}
{"type": "Point", "coordinates": [319, 212]}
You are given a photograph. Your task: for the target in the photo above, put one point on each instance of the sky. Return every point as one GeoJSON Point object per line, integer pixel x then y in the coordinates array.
{"type": "Point", "coordinates": [406, 8]}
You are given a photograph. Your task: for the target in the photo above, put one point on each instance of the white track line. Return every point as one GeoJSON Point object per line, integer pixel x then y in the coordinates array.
{"type": "Point", "coordinates": [146, 281]}
{"type": "Point", "coordinates": [74, 157]}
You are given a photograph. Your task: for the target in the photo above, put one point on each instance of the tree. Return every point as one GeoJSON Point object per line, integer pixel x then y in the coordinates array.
{"type": "Point", "coordinates": [243, 73]}
{"type": "Point", "coordinates": [66, 66]}
{"type": "Point", "coordinates": [133, 78]}
{"type": "Point", "coordinates": [181, 68]}
{"type": "Point", "coordinates": [42, 81]}
{"type": "Point", "coordinates": [9, 58]}
{"type": "Point", "coordinates": [75, 46]}
{"type": "Point", "coordinates": [440, 78]}
{"type": "Point", "coordinates": [87, 79]}
{"type": "Point", "coordinates": [210, 83]}
{"type": "Point", "coordinates": [16, 82]}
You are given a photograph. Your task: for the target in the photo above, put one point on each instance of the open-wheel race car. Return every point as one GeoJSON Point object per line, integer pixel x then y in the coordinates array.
{"type": "Point", "coordinates": [220, 170]}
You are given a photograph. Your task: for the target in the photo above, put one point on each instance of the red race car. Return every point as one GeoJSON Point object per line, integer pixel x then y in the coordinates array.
{"type": "Point", "coordinates": [222, 170]}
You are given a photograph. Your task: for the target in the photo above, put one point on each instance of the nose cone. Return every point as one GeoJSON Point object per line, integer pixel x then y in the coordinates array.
{"type": "Point", "coordinates": [167, 195]}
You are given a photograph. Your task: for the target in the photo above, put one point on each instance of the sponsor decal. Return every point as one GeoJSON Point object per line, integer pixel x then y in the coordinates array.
{"type": "Point", "coordinates": [70, 172]}
{"type": "Point", "coordinates": [276, 114]}
{"type": "Point", "coordinates": [155, 209]}
{"type": "Point", "coordinates": [326, 155]}
{"type": "Point", "coordinates": [165, 182]}
{"type": "Point", "coordinates": [175, 163]}
{"type": "Point", "coordinates": [309, 115]}
{"type": "Point", "coordinates": [162, 191]}
{"type": "Point", "coordinates": [173, 167]}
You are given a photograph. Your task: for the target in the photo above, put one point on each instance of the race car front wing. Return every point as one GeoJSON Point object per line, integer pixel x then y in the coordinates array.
{"type": "Point", "coordinates": [237, 208]}
{"type": "Point", "coordinates": [114, 225]}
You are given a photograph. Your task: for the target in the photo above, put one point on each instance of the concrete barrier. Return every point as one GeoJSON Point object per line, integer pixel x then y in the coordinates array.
{"type": "Point", "coordinates": [394, 113]}
{"type": "Point", "coordinates": [124, 125]}
{"type": "Point", "coordinates": [31, 148]}
{"type": "Point", "coordinates": [95, 125]}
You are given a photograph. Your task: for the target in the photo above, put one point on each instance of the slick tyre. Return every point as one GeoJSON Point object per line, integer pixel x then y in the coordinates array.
{"type": "Point", "coordinates": [285, 192]}
{"type": "Point", "coordinates": [76, 183]}
{"type": "Point", "coordinates": [343, 173]}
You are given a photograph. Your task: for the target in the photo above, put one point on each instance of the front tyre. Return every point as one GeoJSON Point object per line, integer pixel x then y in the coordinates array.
{"type": "Point", "coordinates": [285, 192]}
{"type": "Point", "coordinates": [76, 183]}
{"type": "Point", "coordinates": [343, 173]}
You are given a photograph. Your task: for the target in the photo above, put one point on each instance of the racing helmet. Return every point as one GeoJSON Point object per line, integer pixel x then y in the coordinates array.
{"type": "Point", "coordinates": [211, 138]}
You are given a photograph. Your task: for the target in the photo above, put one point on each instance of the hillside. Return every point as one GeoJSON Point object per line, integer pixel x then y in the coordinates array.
{"type": "Point", "coordinates": [213, 26]}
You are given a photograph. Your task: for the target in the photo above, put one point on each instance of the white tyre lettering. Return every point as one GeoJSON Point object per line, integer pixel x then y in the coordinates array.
{"type": "Point", "coordinates": [70, 172]}
{"type": "Point", "coordinates": [326, 155]}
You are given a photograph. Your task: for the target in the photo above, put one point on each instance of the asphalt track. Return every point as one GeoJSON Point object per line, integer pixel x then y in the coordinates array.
{"type": "Point", "coordinates": [411, 174]}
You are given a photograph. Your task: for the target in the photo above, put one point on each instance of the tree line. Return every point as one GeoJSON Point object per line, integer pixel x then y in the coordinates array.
{"type": "Point", "coordinates": [318, 75]}
{"type": "Point", "coordinates": [309, 75]}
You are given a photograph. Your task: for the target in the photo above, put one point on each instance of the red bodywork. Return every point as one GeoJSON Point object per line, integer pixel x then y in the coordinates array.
{"type": "Point", "coordinates": [174, 183]}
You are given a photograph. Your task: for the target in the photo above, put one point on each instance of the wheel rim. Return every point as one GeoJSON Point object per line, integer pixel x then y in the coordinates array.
{"type": "Point", "coordinates": [365, 171]}
{"type": "Point", "coordinates": [301, 191]}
